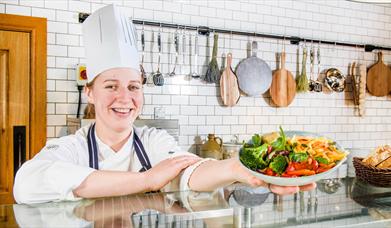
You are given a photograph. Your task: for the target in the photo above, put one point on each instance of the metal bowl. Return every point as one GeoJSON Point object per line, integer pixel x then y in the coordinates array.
{"type": "Point", "coordinates": [335, 80]}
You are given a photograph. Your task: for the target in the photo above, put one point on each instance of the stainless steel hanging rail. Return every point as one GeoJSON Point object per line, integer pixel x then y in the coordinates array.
{"type": "Point", "coordinates": [204, 30]}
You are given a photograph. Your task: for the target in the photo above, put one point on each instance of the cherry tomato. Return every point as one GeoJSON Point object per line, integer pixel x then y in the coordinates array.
{"type": "Point", "coordinates": [290, 167]}
{"type": "Point", "coordinates": [315, 164]}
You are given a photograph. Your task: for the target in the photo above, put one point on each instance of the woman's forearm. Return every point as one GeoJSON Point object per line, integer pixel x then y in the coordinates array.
{"type": "Point", "coordinates": [212, 174]}
{"type": "Point", "coordinates": [111, 183]}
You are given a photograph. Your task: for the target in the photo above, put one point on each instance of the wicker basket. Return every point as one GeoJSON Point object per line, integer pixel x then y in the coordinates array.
{"type": "Point", "coordinates": [372, 175]}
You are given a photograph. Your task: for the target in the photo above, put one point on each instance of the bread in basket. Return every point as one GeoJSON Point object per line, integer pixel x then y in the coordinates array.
{"type": "Point", "coordinates": [376, 168]}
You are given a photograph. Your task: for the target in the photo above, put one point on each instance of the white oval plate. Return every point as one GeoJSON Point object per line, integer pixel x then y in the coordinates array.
{"type": "Point", "coordinates": [297, 181]}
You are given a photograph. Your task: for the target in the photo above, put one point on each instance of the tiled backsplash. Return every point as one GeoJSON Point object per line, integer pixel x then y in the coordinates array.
{"type": "Point", "coordinates": [197, 105]}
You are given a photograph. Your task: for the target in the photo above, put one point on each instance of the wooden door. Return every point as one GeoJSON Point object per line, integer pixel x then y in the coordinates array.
{"type": "Point", "coordinates": [15, 105]}
{"type": "Point", "coordinates": [22, 95]}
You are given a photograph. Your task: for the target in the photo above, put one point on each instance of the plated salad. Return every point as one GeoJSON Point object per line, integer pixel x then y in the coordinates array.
{"type": "Point", "coordinates": [275, 154]}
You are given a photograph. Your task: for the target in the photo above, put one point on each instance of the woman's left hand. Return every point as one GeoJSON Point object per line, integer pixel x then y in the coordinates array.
{"type": "Point", "coordinates": [242, 175]}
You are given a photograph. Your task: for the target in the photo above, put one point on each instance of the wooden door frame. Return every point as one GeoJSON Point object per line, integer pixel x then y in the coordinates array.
{"type": "Point", "coordinates": [36, 26]}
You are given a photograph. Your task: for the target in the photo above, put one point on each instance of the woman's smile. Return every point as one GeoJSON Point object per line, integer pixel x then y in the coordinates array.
{"type": "Point", "coordinates": [122, 112]}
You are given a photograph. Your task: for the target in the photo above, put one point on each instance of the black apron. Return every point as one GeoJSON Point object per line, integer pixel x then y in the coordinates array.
{"type": "Point", "coordinates": [93, 150]}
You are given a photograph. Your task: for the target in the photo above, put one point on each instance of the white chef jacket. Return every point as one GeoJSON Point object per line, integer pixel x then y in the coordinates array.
{"type": "Point", "coordinates": [63, 164]}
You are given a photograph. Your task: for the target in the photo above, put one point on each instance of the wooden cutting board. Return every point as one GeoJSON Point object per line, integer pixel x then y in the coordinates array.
{"type": "Point", "coordinates": [229, 88]}
{"type": "Point", "coordinates": [283, 87]}
{"type": "Point", "coordinates": [379, 78]}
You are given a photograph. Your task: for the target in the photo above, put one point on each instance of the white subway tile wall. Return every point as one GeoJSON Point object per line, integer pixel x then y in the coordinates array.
{"type": "Point", "coordinates": [198, 105]}
{"type": "Point", "coordinates": [19, 10]}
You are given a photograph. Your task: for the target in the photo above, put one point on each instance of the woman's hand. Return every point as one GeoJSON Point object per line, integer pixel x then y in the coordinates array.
{"type": "Point", "coordinates": [242, 175]}
{"type": "Point", "coordinates": [165, 171]}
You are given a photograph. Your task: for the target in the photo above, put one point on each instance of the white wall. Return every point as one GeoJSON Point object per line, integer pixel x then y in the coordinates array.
{"type": "Point", "coordinates": [196, 104]}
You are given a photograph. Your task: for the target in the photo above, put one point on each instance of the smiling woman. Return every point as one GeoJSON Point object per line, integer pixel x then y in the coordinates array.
{"type": "Point", "coordinates": [111, 157]}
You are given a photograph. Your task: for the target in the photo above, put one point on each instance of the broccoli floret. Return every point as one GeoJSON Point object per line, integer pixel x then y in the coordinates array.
{"type": "Point", "coordinates": [278, 164]}
{"type": "Point", "coordinates": [253, 157]}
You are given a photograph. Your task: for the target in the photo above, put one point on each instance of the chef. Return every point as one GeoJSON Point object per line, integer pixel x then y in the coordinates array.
{"type": "Point", "coordinates": [111, 157]}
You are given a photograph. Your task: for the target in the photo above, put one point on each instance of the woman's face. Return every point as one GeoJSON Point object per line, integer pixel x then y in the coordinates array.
{"type": "Point", "coordinates": [118, 98]}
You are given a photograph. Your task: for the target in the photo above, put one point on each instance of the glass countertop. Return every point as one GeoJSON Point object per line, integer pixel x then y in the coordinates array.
{"type": "Point", "coordinates": [343, 202]}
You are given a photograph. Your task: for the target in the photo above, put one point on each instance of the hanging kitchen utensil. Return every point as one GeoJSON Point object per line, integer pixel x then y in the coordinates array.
{"type": "Point", "coordinates": [158, 78]}
{"type": "Point", "coordinates": [176, 43]}
{"type": "Point", "coordinates": [143, 75]}
{"type": "Point", "coordinates": [183, 67]}
{"type": "Point", "coordinates": [229, 88]}
{"type": "Point", "coordinates": [223, 58]}
{"type": "Point", "coordinates": [354, 82]}
{"type": "Point", "coordinates": [312, 56]}
{"type": "Point", "coordinates": [318, 85]}
{"type": "Point", "coordinates": [213, 72]}
{"type": "Point", "coordinates": [254, 75]}
{"type": "Point", "coordinates": [335, 80]}
{"type": "Point", "coordinates": [314, 85]}
{"type": "Point", "coordinates": [379, 78]}
{"type": "Point", "coordinates": [283, 87]}
{"type": "Point", "coordinates": [170, 42]}
{"type": "Point", "coordinates": [190, 53]}
{"type": "Point", "coordinates": [302, 81]}
{"type": "Point", "coordinates": [362, 88]}
{"type": "Point", "coordinates": [150, 76]}
{"type": "Point", "coordinates": [195, 73]}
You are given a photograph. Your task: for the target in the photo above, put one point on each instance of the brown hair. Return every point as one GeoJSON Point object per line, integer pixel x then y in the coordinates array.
{"type": "Point", "coordinates": [89, 111]}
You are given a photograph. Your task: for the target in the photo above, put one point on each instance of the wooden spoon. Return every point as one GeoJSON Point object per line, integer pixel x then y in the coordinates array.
{"type": "Point", "coordinates": [378, 78]}
{"type": "Point", "coordinates": [283, 87]}
{"type": "Point", "coordinates": [229, 88]}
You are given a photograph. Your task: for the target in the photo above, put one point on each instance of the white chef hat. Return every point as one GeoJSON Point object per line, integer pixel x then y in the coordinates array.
{"type": "Point", "coordinates": [110, 41]}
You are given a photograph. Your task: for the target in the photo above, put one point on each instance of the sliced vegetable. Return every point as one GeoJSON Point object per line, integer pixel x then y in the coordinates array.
{"type": "Point", "coordinates": [256, 140]}
{"type": "Point", "coordinates": [290, 167]}
{"type": "Point", "coordinates": [300, 165]}
{"type": "Point", "coordinates": [314, 164]}
{"type": "Point", "coordinates": [280, 142]}
{"type": "Point", "coordinates": [322, 160]}
{"type": "Point", "coordinates": [301, 172]}
{"type": "Point", "coordinates": [298, 157]}
{"type": "Point", "coordinates": [270, 172]}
